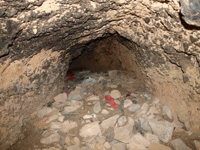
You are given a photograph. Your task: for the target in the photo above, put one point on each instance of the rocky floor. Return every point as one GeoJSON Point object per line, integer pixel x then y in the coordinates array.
{"type": "Point", "coordinates": [107, 111]}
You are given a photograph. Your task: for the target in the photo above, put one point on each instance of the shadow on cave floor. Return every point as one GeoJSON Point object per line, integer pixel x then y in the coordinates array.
{"type": "Point", "coordinates": [104, 105]}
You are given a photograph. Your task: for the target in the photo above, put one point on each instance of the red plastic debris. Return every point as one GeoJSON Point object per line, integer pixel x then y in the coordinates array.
{"type": "Point", "coordinates": [132, 92]}
{"type": "Point", "coordinates": [111, 101]}
{"type": "Point", "coordinates": [70, 78]}
{"type": "Point", "coordinates": [70, 75]}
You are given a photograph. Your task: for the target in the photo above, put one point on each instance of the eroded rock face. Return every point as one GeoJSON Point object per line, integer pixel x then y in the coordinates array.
{"type": "Point", "coordinates": [39, 38]}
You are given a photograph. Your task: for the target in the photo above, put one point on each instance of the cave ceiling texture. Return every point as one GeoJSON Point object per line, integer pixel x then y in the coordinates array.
{"type": "Point", "coordinates": [40, 38]}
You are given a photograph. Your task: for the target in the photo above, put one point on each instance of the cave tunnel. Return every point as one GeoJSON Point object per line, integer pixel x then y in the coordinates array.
{"type": "Point", "coordinates": [96, 74]}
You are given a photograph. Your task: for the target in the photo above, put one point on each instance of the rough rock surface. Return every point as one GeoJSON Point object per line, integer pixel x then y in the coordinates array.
{"type": "Point", "coordinates": [40, 38]}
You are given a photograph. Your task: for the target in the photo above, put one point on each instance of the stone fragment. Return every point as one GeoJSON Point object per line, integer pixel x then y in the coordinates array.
{"type": "Point", "coordinates": [118, 146]}
{"type": "Point", "coordinates": [135, 146]}
{"type": "Point", "coordinates": [157, 146]}
{"type": "Point", "coordinates": [97, 107]}
{"type": "Point", "coordinates": [67, 141]}
{"type": "Point", "coordinates": [61, 97]}
{"type": "Point", "coordinates": [153, 110]}
{"type": "Point", "coordinates": [53, 138]}
{"type": "Point", "coordinates": [55, 125]}
{"type": "Point", "coordinates": [124, 133]}
{"type": "Point", "coordinates": [134, 107]}
{"type": "Point", "coordinates": [178, 144]}
{"type": "Point", "coordinates": [74, 147]}
{"type": "Point", "coordinates": [109, 134]}
{"type": "Point", "coordinates": [110, 122]}
{"type": "Point", "coordinates": [113, 73]}
{"type": "Point", "coordinates": [52, 118]}
{"type": "Point", "coordinates": [139, 139]}
{"type": "Point", "coordinates": [152, 138]}
{"type": "Point", "coordinates": [60, 100]}
{"type": "Point", "coordinates": [75, 95]}
{"type": "Point", "coordinates": [167, 111]}
{"type": "Point", "coordinates": [197, 144]}
{"type": "Point", "coordinates": [115, 94]}
{"type": "Point", "coordinates": [163, 129]}
{"type": "Point", "coordinates": [144, 124]}
{"type": "Point", "coordinates": [76, 141]}
{"type": "Point", "coordinates": [144, 109]}
{"type": "Point", "coordinates": [156, 101]}
{"type": "Point", "coordinates": [61, 118]}
{"type": "Point", "coordinates": [52, 148]}
{"type": "Point", "coordinates": [121, 121]}
{"type": "Point", "coordinates": [92, 98]}
{"type": "Point", "coordinates": [107, 145]}
{"type": "Point", "coordinates": [67, 126]}
{"type": "Point", "coordinates": [104, 112]}
{"type": "Point", "coordinates": [92, 129]}
{"type": "Point", "coordinates": [73, 105]}
{"type": "Point", "coordinates": [87, 116]}
{"type": "Point", "coordinates": [44, 111]}
{"type": "Point", "coordinates": [127, 103]}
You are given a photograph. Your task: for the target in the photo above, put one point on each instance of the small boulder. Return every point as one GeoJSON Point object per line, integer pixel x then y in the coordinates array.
{"type": "Point", "coordinates": [157, 146]}
{"type": "Point", "coordinates": [163, 129]}
{"type": "Point", "coordinates": [178, 144]}
{"type": "Point", "coordinates": [167, 111]}
{"type": "Point", "coordinates": [115, 94]}
{"type": "Point", "coordinates": [91, 129]}
{"type": "Point", "coordinates": [53, 138]}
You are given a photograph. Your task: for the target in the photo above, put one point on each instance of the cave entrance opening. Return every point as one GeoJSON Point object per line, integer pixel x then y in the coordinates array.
{"type": "Point", "coordinates": [110, 53]}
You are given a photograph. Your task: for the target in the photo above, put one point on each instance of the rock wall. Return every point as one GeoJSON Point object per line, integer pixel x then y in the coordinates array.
{"type": "Point", "coordinates": [40, 37]}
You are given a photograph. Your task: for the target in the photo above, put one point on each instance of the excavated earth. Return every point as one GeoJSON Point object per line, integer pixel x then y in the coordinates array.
{"type": "Point", "coordinates": [154, 45]}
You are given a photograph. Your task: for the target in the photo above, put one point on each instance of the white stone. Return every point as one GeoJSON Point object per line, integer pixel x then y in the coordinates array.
{"type": "Point", "coordinates": [167, 111]}
{"type": "Point", "coordinates": [53, 138]}
{"type": "Point", "coordinates": [67, 126]}
{"type": "Point", "coordinates": [61, 97]}
{"type": "Point", "coordinates": [87, 116]}
{"type": "Point", "coordinates": [163, 129]}
{"type": "Point", "coordinates": [61, 118]}
{"type": "Point", "coordinates": [97, 107]}
{"type": "Point", "coordinates": [110, 122]}
{"type": "Point", "coordinates": [134, 107]}
{"type": "Point", "coordinates": [121, 121]}
{"type": "Point", "coordinates": [92, 98]}
{"type": "Point", "coordinates": [104, 112]}
{"type": "Point", "coordinates": [115, 94]}
{"type": "Point", "coordinates": [178, 144]}
{"type": "Point", "coordinates": [55, 125]}
{"type": "Point", "coordinates": [73, 105]}
{"type": "Point", "coordinates": [127, 103]}
{"type": "Point", "coordinates": [44, 111]}
{"type": "Point", "coordinates": [88, 130]}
